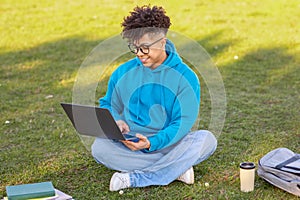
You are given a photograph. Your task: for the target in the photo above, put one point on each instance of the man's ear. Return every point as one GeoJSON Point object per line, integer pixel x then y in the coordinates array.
{"type": "Point", "coordinates": [164, 42]}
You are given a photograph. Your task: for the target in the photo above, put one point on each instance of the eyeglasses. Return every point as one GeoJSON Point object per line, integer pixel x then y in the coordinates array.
{"type": "Point", "coordinates": [144, 48]}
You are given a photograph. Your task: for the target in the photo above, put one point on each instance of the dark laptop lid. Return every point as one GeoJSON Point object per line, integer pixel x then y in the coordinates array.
{"type": "Point", "coordinates": [93, 121]}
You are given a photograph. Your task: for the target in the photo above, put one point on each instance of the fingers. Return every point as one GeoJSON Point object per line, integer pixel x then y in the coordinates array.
{"type": "Point", "coordinates": [134, 146]}
{"type": "Point", "coordinates": [140, 136]}
{"type": "Point", "coordinates": [145, 140]}
{"type": "Point", "coordinates": [131, 145]}
{"type": "Point", "coordinates": [126, 127]}
{"type": "Point", "coordinates": [122, 126]}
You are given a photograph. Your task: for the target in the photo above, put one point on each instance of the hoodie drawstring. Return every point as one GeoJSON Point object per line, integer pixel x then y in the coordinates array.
{"type": "Point", "coordinates": [162, 99]}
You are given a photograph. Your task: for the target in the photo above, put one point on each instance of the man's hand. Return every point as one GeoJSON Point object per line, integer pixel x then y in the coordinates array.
{"type": "Point", "coordinates": [124, 128]}
{"type": "Point", "coordinates": [143, 143]}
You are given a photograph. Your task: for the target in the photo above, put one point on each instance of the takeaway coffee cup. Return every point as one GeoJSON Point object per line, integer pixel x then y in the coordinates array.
{"type": "Point", "coordinates": [247, 176]}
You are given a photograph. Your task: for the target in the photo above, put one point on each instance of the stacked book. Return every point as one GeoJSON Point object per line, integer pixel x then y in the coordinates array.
{"type": "Point", "coordinates": [35, 191]}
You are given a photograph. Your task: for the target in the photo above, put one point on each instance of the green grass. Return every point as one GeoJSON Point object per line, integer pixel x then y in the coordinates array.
{"type": "Point", "coordinates": [43, 43]}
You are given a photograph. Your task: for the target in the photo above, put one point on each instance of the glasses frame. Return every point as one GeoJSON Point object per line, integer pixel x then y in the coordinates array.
{"type": "Point", "coordinates": [142, 47]}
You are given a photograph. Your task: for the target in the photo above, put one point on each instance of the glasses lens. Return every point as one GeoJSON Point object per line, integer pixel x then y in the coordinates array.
{"type": "Point", "coordinates": [144, 49]}
{"type": "Point", "coordinates": [134, 49]}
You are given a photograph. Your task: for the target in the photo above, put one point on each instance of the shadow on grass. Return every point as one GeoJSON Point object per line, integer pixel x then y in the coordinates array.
{"type": "Point", "coordinates": [263, 97]}
{"type": "Point", "coordinates": [42, 70]}
{"type": "Point", "coordinates": [263, 112]}
{"type": "Point", "coordinates": [33, 83]}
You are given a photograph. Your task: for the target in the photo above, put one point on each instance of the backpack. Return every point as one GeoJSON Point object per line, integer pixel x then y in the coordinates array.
{"type": "Point", "coordinates": [281, 167]}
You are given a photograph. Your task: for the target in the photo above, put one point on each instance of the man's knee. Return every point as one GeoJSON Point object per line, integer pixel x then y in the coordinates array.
{"type": "Point", "coordinates": [205, 135]}
{"type": "Point", "coordinates": [98, 150]}
{"type": "Point", "coordinates": [211, 139]}
{"type": "Point", "coordinates": [208, 141]}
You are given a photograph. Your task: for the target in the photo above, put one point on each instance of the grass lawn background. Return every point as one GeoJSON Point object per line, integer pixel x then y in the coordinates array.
{"type": "Point", "coordinates": [43, 43]}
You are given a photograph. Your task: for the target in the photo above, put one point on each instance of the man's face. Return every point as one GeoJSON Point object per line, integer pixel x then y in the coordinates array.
{"type": "Point", "coordinates": [151, 50]}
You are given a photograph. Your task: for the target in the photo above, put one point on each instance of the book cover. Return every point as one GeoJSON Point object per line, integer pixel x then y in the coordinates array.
{"type": "Point", "coordinates": [30, 191]}
{"type": "Point", "coordinates": [59, 196]}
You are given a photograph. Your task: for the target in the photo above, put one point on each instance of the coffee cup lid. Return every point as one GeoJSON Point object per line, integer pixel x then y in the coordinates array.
{"type": "Point", "coordinates": [247, 165]}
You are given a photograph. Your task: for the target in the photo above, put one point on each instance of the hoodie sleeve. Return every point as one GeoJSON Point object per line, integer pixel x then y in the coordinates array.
{"type": "Point", "coordinates": [111, 100]}
{"type": "Point", "coordinates": [183, 116]}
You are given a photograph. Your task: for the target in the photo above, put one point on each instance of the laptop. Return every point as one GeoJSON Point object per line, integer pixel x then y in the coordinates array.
{"type": "Point", "coordinates": [96, 122]}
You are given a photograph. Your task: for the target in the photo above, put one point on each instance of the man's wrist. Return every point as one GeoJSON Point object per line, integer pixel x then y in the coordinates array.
{"type": "Point", "coordinates": [148, 146]}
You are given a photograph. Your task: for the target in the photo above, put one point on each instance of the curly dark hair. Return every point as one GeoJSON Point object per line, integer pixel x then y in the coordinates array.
{"type": "Point", "coordinates": [144, 20]}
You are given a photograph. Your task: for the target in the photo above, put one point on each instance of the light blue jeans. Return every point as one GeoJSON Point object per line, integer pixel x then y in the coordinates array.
{"type": "Point", "coordinates": [155, 168]}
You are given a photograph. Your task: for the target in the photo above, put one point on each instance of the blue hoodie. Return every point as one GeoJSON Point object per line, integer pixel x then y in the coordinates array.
{"type": "Point", "coordinates": [161, 104]}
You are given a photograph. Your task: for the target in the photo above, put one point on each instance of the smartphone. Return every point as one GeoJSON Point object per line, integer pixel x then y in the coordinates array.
{"type": "Point", "coordinates": [131, 137]}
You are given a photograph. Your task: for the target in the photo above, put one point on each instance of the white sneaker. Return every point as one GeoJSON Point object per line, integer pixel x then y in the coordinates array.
{"type": "Point", "coordinates": [119, 181]}
{"type": "Point", "coordinates": [187, 177]}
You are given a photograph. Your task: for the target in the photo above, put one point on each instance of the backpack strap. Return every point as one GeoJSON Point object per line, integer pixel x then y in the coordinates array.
{"type": "Point", "coordinates": [292, 159]}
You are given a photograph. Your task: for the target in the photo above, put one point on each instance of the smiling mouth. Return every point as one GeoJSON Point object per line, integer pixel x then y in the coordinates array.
{"type": "Point", "coordinates": [144, 60]}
